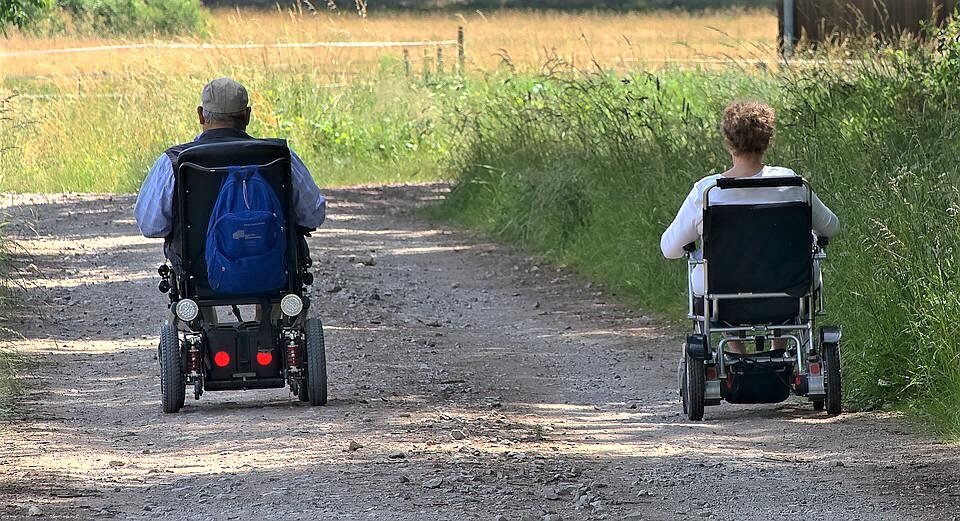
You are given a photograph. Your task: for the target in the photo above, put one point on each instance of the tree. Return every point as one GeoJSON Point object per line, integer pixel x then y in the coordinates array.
{"type": "Point", "coordinates": [21, 12]}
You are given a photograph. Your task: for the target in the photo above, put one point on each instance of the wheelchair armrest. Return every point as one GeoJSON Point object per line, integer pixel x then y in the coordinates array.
{"type": "Point", "coordinates": [304, 231]}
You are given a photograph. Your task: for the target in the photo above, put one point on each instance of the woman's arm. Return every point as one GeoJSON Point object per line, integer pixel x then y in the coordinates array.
{"type": "Point", "coordinates": [683, 230]}
{"type": "Point", "coordinates": [825, 222]}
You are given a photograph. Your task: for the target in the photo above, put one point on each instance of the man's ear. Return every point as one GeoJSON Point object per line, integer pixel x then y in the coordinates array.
{"type": "Point", "coordinates": [200, 115]}
{"type": "Point", "coordinates": [246, 118]}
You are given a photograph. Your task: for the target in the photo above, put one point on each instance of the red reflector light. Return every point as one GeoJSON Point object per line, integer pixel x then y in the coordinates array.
{"type": "Point", "coordinates": [814, 368]}
{"type": "Point", "coordinates": [264, 357]}
{"type": "Point", "coordinates": [711, 373]}
{"type": "Point", "coordinates": [221, 359]}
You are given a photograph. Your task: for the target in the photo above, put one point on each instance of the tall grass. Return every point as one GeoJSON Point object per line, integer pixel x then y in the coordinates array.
{"type": "Point", "coordinates": [104, 137]}
{"type": "Point", "coordinates": [590, 170]}
{"type": "Point", "coordinates": [7, 358]}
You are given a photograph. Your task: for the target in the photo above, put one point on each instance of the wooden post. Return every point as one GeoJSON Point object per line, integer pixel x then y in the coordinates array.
{"type": "Point", "coordinates": [406, 61]}
{"type": "Point", "coordinates": [439, 61]}
{"type": "Point", "coordinates": [426, 64]}
{"type": "Point", "coordinates": [461, 56]}
{"type": "Point", "coordinates": [789, 29]}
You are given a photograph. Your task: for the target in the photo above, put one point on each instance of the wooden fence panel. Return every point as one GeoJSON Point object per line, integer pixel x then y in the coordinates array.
{"type": "Point", "coordinates": [821, 20]}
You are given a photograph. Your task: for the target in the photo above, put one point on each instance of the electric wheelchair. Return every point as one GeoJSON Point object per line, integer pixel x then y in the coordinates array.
{"type": "Point", "coordinates": [214, 342]}
{"type": "Point", "coordinates": [760, 271]}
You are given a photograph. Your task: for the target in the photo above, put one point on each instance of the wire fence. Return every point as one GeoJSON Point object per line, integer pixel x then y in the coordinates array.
{"type": "Point", "coordinates": [431, 64]}
{"type": "Point", "coordinates": [225, 46]}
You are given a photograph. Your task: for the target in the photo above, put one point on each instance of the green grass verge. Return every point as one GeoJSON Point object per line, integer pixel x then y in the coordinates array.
{"type": "Point", "coordinates": [104, 136]}
{"type": "Point", "coordinates": [590, 171]}
{"type": "Point", "coordinates": [8, 359]}
{"type": "Point", "coordinates": [8, 387]}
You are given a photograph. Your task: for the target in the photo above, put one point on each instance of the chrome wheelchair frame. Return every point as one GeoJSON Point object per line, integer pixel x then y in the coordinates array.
{"type": "Point", "coordinates": [814, 359]}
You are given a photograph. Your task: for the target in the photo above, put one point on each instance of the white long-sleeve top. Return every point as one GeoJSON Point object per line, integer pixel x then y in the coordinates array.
{"type": "Point", "coordinates": [687, 226]}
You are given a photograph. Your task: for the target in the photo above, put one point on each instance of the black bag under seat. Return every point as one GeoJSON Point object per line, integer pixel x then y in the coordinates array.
{"type": "Point", "coordinates": [751, 381]}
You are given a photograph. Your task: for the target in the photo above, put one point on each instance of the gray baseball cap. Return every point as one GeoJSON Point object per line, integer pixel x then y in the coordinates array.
{"type": "Point", "coordinates": [224, 96]}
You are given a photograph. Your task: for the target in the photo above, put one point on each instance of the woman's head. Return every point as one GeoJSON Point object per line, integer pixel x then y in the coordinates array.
{"type": "Point", "coordinates": [748, 127]}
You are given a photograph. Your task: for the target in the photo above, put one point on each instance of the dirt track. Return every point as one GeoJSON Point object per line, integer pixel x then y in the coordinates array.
{"type": "Point", "coordinates": [479, 384]}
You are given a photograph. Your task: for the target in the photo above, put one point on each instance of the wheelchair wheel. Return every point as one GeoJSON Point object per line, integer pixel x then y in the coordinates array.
{"type": "Point", "coordinates": [831, 370]}
{"type": "Point", "coordinates": [316, 381]}
{"type": "Point", "coordinates": [173, 386]}
{"type": "Point", "coordinates": [682, 382]}
{"type": "Point", "coordinates": [694, 388]}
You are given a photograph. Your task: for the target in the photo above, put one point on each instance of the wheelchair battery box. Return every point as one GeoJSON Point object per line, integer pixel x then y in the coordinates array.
{"type": "Point", "coordinates": [750, 381]}
{"type": "Point", "coordinates": [246, 351]}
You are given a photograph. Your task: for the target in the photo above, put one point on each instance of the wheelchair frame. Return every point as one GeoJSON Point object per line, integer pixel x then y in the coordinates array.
{"type": "Point", "coordinates": [810, 379]}
{"type": "Point", "coordinates": [296, 340]}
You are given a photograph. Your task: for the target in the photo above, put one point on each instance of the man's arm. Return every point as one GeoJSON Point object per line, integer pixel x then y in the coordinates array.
{"type": "Point", "coordinates": [154, 208]}
{"type": "Point", "coordinates": [309, 205]}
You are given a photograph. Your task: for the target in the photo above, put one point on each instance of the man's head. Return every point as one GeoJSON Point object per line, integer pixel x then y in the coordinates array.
{"type": "Point", "coordinates": [748, 128]}
{"type": "Point", "coordinates": [224, 104]}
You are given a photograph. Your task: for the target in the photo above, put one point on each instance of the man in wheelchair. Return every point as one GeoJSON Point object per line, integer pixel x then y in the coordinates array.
{"type": "Point", "coordinates": [233, 211]}
{"type": "Point", "coordinates": [754, 279]}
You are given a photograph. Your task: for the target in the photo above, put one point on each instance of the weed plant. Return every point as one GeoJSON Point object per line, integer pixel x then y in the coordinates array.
{"type": "Point", "coordinates": [590, 170]}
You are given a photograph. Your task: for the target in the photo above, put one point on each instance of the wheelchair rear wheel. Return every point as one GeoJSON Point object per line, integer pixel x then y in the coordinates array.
{"type": "Point", "coordinates": [173, 387]}
{"type": "Point", "coordinates": [316, 381]}
{"type": "Point", "coordinates": [694, 388]}
{"type": "Point", "coordinates": [831, 370]}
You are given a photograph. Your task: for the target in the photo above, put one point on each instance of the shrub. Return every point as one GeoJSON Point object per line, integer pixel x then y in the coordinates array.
{"type": "Point", "coordinates": [123, 17]}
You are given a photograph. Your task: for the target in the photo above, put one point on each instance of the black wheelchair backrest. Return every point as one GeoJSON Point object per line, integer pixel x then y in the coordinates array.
{"type": "Point", "coordinates": [759, 248]}
{"type": "Point", "coordinates": [199, 173]}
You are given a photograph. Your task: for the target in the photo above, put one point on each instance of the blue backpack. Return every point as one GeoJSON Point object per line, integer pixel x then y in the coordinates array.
{"type": "Point", "coordinates": [246, 246]}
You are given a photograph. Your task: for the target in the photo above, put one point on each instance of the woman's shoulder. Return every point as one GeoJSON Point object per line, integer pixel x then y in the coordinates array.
{"type": "Point", "coordinates": [701, 186]}
{"type": "Point", "coordinates": [777, 171]}
{"type": "Point", "coordinates": [706, 181]}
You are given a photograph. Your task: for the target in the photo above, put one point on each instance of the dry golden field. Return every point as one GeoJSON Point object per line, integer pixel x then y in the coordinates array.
{"type": "Point", "coordinates": [524, 39]}
{"type": "Point", "coordinates": [93, 121]}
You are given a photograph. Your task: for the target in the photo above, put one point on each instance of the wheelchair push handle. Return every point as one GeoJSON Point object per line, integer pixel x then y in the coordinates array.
{"type": "Point", "coordinates": [759, 182]}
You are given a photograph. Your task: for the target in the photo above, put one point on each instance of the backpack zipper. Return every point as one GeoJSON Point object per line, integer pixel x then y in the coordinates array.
{"type": "Point", "coordinates": [246, 201]}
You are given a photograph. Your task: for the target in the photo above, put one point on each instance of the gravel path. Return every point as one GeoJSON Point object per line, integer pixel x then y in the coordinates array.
{"type": "Point", "coordinates": [471, 382]}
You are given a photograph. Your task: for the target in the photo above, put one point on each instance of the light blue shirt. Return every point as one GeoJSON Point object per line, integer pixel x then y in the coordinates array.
{"type": "Point", "coordinates": [154, 208]}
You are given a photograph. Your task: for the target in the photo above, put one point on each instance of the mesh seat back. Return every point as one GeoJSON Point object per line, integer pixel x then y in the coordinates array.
{"type": "Point", "coordinates": [758, 248]}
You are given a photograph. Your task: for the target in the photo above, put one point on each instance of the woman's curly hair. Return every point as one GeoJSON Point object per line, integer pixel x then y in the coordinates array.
{"type": "Point", "coordinates": [748, 127]}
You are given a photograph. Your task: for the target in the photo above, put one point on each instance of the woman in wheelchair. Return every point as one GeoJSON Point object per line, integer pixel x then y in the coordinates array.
{"type": "Point", "coordinates": [754, 236]}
